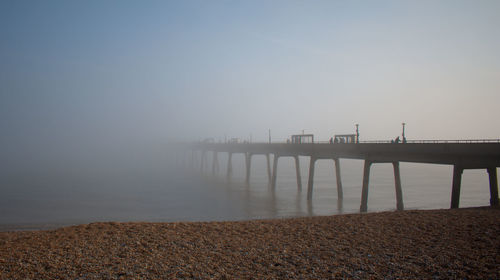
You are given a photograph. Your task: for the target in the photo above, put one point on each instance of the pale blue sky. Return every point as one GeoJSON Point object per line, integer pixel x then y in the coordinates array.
{"type": "Point", "coordinates": [79, 77]}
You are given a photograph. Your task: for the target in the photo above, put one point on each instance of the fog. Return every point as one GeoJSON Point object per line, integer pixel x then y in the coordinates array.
{"type": "Point", "coordinates": [98, 89]}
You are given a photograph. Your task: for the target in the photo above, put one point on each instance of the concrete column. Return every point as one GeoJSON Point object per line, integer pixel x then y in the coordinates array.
{"type": "Point", "coordinates": [492, 172]}
{"type": "Point", "coordinates": [275, 170]}
{"type": "Point", "coordinates": [457, 181]}
{"type": "Point", "coordinates": [202, 161]}
{"type": "Point", "coordinates": [248, 164]}
{"type": "Point", "coordinates": [340, 192]}
{"type": "Point", "coordinates": [229, 166]}
{"type": "Point", "coordinates": [297, 171]}
{"type": "Point", "coordinates": [399, 192]}
{"type": "Point", "coordinates": [215, 164]}
{"type": "Point", "coordinates": [269, 174]}
{"type": "Point", "coordinates": [191, 162]}
{"type": "Point", "coordinates": [366, 181]}
{"type": "Point", "coordinates": [310, 182]}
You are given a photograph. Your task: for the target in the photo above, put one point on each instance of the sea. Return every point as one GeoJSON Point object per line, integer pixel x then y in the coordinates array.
{"type": "Point", "coordinates": [173, 188]}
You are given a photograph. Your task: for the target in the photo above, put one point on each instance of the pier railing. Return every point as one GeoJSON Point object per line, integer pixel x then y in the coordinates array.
{"type": "Point", "coordinates": [461, 141]}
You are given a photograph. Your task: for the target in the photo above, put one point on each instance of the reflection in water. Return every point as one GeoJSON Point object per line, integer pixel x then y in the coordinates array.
{"type": "Point", "coordinates": [310, 208]}
{"type": "Point", "coordinates": [340, 204]}
{"type": "Point", "coordinates": [298, 202]}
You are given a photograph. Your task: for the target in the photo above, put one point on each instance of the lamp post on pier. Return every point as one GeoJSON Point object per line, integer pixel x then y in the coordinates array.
{"type": "Point", "coordinates": [357, 133]}
{"type": "Point", "coordinates": [404, 138]}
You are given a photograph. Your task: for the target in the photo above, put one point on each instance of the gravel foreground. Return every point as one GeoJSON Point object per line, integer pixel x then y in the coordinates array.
{"type": "Point", "coordinates": [436, 244]}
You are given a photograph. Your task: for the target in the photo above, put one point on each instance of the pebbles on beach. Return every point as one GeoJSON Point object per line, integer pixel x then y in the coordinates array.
{"type": "Point", "coordinates": [439, 244]}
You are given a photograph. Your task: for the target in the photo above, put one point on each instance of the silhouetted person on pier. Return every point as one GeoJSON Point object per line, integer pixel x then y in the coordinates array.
{"type": "Point", "coordinates": [397, 140]}
{"type": "Point", "coordinates": [331, 140]}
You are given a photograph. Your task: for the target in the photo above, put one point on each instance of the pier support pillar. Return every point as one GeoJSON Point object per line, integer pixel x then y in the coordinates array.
{"type": "Point", "coordinates": [269, 174]}
{"type": "Point", "coordinates": [457, 180]}
{"type": "Point", "coordinates": [297, 171]}
{"type": "Point", "coordinates": [215, 164]}
{"type": "Point", "coordinates": [340, 192]}
{"type": "Point", "coordinates": [399, 191]}
{"type": "Point", "coordinates": [310, 182]}
{"type": "Point", "coordinates": [191, 161]}
{"type": "Point", "coordinates": [202, 161]}
{"type": "Point", "coordinates": [492, 172]}
{"type": "Point", "coordinates": [229, 166]}
{"type": "Point", "coordinates": [364, 192]}
{"type": "Point", "coordinates": [248, 164]}
{"type": "Point", "coordinates": [275, 170]}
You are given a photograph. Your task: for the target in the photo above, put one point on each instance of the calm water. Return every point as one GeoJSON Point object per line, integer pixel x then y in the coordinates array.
{"type": "Point", "coordinates": [149, 190]}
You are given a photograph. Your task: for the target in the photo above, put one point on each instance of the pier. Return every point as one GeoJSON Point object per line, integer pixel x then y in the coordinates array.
{"type": "Point", "coordinates": [462, 154]}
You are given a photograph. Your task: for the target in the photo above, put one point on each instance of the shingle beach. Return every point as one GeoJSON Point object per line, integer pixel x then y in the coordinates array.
{"type": "Point", "coordinates": [433, 244]}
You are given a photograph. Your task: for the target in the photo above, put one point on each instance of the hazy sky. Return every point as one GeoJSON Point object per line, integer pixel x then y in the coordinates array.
{"type": "Point", "coordinates": [97, 75]}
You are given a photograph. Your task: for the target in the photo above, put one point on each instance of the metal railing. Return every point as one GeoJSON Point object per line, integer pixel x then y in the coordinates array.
{"type": "Point", "coordinates": [462, 141]}
{"type": "Point", "coordinates": [459, 141]}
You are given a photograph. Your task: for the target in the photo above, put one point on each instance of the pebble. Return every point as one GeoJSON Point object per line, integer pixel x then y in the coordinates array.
{"type": "Point", "coordinates": [431, 244]}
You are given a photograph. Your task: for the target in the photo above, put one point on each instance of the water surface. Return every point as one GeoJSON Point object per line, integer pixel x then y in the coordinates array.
{"type": "Point", "coordinates": [161, 190]}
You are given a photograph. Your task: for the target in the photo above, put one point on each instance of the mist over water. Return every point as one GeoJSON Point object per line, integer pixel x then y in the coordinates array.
{"type": "Point", "coordinates": [159, 185]}
{"type": "Point", "coordinates": [91, 92]}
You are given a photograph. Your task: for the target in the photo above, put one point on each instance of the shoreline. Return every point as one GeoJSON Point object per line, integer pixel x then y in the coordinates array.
{"type": "Point", "coordinates": [442, 244]}
{"type": "Point", "coordinates": [32, 227]}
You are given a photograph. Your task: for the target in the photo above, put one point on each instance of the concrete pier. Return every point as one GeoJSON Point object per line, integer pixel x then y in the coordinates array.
{"type": "Point", "coordinates": [248, 165]}
{"type": "Point", "coordinates": [275, 171]}
{"type": "Point", "coordinates": [461, 154]}
{"type": "Point", "coordinates": [366, 182]}
{"type": "Point", "coordinates": [397, 182]}
{"type": "Point", "coordinates": [492, 172]}
{"type": "Point", "coordinates": [269, 173]}
{"type": "Point", "coordinates": [340, 192]}
{"type": "Point", "coordinates": [455, 189]}
{"type": "Point", "coordinates": [310, 182]}
{"type": "Point", "coordinates": [229, 166]}
{"type": "Point", "coordinates": [297, 171]}
{"type": "Point", "coordinates": [215, 163]}
{"type": "Point", "coordinates": [364, 191]}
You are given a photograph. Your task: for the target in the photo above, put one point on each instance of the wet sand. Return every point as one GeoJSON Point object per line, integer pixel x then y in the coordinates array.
{"type": "Point", "coordinates": [438, 244]}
